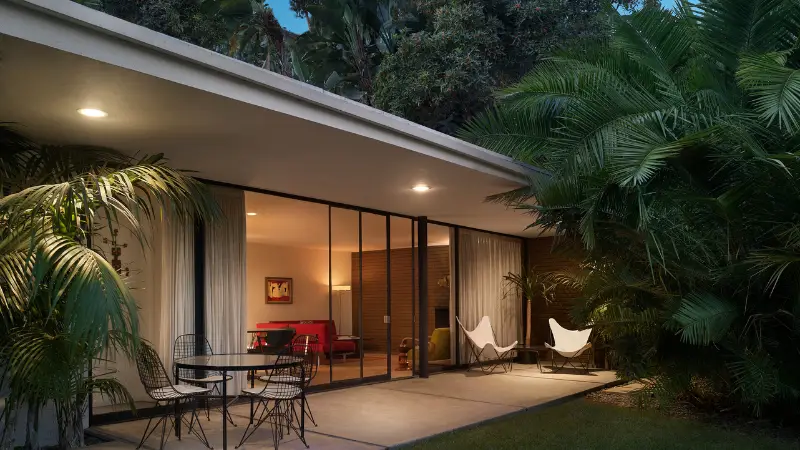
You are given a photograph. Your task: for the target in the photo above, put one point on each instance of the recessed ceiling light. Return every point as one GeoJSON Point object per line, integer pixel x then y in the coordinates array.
{"type": "Point", "coordinates": [90, 112]}
{"type": "Point", "coordinates": [421, 188]}
{"type": "Point", "coordinates": [251, 214]}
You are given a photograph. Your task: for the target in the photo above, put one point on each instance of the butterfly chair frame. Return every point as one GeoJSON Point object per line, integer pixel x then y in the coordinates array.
{"type": "Point", "coordinates": [158, 386]}
{"type": "Point", "coordinates": [570, 344]}
{"type": "Point", "coordinates": [481, 337]}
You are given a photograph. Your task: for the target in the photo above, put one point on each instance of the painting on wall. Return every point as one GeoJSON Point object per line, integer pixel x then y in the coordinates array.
{"type": "Point", "coordinates": [279, 291]}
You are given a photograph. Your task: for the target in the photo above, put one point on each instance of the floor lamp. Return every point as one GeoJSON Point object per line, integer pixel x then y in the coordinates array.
{"type": "Point", "coordinates": [339, 290]}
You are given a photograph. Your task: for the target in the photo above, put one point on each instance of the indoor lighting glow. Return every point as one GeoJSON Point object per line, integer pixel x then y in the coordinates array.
{"type": "Point", "coordinates": [89, 112]}
{"type": "Point", "coordinates": [341, 288]}
{"type": "Point", "coordinates": [251, 214]}
{"type": "Point", "coordinates": [421, 188]}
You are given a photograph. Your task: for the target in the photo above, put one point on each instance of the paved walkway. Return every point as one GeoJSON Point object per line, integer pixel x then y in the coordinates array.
{"type": "Point", "coordinates": [393, 413]}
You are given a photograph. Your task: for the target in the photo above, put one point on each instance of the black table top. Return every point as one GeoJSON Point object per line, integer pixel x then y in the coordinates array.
{"type": "Point", "coordinates": [236, 361]}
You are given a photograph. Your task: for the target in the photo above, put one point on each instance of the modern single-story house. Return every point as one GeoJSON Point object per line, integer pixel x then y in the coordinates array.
{"type": "Point", "coordinates": [338, 218]}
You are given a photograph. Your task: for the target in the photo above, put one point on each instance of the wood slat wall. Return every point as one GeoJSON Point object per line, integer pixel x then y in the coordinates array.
{"type": "Point", "coordinates": [374, 300]}
{"type": "Point", "coordinates": [541, 258]}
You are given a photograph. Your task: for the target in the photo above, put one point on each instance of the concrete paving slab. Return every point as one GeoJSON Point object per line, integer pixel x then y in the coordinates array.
{"type": "Point", "coordinates": [594, 376]}
{"type": "Point", "coordinates": [397, 412]}
{"type": "Point", "coordinates": [388, 417]}
{"type": "Point", "coordinates": [129, 433]}
{"type": "Point", "coordinates": [496, 389]}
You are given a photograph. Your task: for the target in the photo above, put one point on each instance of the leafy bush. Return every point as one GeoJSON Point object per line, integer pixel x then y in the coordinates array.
{"type": "Point", "coordinates": [672, 152]}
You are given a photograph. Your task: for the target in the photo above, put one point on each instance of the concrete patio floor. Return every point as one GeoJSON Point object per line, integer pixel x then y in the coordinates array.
{"type": "Point", "coordinates": [392, 413]}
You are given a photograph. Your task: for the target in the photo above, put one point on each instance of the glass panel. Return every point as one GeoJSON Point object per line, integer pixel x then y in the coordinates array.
{"type": "Point", "coordinates": [440, 326]}
{"type": "Point", "coordinates": [287, 272]}
{"type": "Point", "coordinates": [344, 360]}
{"type": "Point", "coordinates": [374, 300]}
{"type": "Point", "coordinates": [403, 295]}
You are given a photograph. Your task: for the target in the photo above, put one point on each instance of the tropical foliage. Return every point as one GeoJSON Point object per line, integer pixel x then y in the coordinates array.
{"type": "Point", "coordinates": [434, 62]}
{"type": "Point", "coordinates": [62, 305]}
{"type": "Point", "coordinates": [672, 153]}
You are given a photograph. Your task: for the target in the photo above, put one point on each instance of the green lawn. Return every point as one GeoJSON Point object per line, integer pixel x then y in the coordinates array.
{"type": "Point", "coordinates": [582, 424]}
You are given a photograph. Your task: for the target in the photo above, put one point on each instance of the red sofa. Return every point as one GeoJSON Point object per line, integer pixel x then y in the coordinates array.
{"type": "Point", "coordinates": [322, 329]}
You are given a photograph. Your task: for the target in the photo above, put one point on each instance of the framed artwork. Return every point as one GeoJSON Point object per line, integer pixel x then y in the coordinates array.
{"type": "Point", "coordinates": [279, 290]}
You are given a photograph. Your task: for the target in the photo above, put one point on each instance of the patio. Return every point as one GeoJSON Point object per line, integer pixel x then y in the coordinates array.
{"type": "Point", "coordinates": [398, 412]}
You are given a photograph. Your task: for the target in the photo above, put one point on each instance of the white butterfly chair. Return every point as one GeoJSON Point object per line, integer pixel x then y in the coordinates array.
{"type": "Point", "coordinates": [569, 344]}
{"type": "Point", "coordinates": [483, 336]}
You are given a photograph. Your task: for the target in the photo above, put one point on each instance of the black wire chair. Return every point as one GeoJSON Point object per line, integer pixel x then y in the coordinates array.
{"type": "Point", "coordinates": [285, 386]}
{"type": "Point", "coordinates": [158, 386]}
{"type": "Point", "coordinates": [188, 345]}
{"type": "Point", "coordinates": [307, 346]}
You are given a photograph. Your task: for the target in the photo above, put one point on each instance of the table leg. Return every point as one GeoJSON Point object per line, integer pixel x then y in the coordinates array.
{"type": "Point", "coordinates": [177, 411]}
{"type": "Point", "coordinates": [252, 385]}
{"type": "Point", "coordinates": [224, 409]}
{"type": "Point", "coordinates": [302, 405]}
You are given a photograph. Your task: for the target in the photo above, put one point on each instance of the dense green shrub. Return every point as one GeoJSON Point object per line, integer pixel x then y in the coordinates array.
{"type": "Point", "coordinates": [672, 150]}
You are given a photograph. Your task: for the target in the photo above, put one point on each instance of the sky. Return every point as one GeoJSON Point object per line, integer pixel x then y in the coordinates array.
{"type": "Point", "coordinates": [286, 17]}
{"type": "Point", "coordinates": [289, 20]}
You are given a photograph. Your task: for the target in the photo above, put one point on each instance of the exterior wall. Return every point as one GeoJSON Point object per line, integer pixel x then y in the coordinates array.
{"type": "Point", "coordinates": [308, 269]}
{"type": "Point", "coordinates": [541, 259]}
{"type": "Point", "coordinates": [374, 301]}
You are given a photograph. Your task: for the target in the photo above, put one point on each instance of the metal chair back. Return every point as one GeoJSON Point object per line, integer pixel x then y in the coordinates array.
{"type": "Point", "coordinates": [152, 373]}
{"type": "Point", "coordinates": [307, 346]}
{"type": "Point", "coordinates": [277, 340]}
{"type": "Point", "coordinates": [188, 345]}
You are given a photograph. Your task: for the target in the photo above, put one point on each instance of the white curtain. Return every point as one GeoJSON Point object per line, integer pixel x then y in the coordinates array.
{"type": "Point", "coordinates": [173, 285]}
{"type": "Point", "coordinates": [225, 297]}
{"type": "Point", "coordinates": [484, 260]}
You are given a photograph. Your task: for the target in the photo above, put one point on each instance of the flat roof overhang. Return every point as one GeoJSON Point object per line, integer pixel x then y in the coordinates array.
{"type": "Point", "coordinates": [235, 123]}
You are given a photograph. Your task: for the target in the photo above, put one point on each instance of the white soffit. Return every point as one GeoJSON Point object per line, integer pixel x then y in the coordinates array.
{"type": "Point", "coordinates": [233, 122]}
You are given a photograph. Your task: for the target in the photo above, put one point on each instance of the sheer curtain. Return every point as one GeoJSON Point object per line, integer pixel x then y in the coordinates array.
{"type": "Point", "coordinates": [173, 285]}
{"type": "Point", "coordinates": [225, 297]}
{"type": "Point", "coordinates": [484, 259]}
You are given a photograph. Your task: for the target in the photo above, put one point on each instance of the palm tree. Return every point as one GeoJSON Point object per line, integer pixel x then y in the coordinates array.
{"type": "Point", "coordinates": [257, 34]}
{"type": "Point", "coordinates": [62, 305]}
{"type": "Point", "coordinates": [344, 45]}
{"type": "Point", "coordinates": [672, 159]}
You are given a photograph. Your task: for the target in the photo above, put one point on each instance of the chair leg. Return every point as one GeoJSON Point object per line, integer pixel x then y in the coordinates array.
{"type": "Point", "coordinates": [266, 412]}
{"type": "Point", "coordinates": [200, 435]}
{"type": "Point", "coordinates": [309, 414]}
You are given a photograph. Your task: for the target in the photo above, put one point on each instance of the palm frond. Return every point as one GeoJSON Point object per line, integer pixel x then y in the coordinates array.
{"type": "Point", "coordinates": [775, 88]}
{"type": "Point", "coordinates": [704, 318]}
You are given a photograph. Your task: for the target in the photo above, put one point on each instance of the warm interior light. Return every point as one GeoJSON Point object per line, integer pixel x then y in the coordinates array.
{"type": "Point", "coordinates": [341, 288]}
{"type": "Point", "coordinates": [251, 214]}
{"type": "Point", "coordinates": [421, 188]}
{"type": "Point", "coordinates": [89, 112]}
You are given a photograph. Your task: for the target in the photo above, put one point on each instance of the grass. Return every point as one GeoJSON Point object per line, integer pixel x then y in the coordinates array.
{"type": "Point", "coordinates": [582, 424]}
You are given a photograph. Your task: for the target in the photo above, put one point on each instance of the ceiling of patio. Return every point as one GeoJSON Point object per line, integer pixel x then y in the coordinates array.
{"type": "Point", "coordinates": [235, 142]}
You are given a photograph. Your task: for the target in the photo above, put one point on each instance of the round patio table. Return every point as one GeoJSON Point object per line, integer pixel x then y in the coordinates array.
{"type": "Point", "coordinates": [237, 362]}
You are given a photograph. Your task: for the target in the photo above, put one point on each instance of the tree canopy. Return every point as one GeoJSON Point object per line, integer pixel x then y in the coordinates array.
{"type": "Point", "coordinates": [435, 62]}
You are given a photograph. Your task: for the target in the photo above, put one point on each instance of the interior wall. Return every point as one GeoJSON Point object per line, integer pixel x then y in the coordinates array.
{"type": "Point", "coordinates": [308, 269]}
{"type": "Point", "coordinates": [374, 300]}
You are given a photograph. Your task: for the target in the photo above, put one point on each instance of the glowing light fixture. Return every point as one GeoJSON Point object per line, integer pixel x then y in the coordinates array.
{"type": "Point", "coordinates": [421, 188]}
{"type": "Point", "coordinates": [90, 112]}
{"type": "Point", "coordinates": [251, 214]}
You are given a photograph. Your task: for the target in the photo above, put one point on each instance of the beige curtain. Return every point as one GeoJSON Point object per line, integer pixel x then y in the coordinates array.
{"type": "Point", "coordinates": [173, 285]}
{"type": "Point", "coordinates": [484, 259]}
{"type": "Point", "coordinates": [225, 263]}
